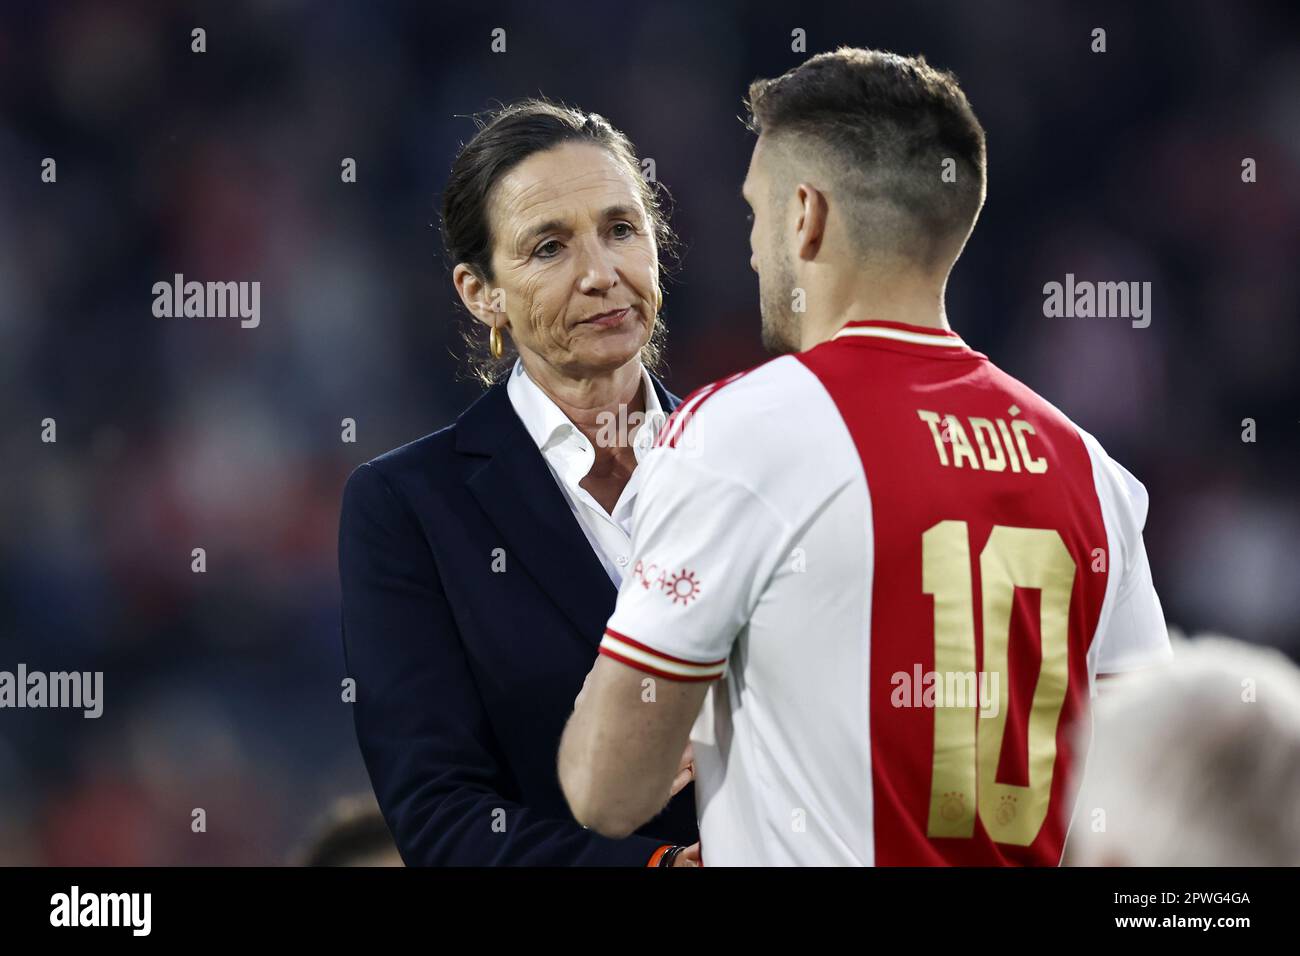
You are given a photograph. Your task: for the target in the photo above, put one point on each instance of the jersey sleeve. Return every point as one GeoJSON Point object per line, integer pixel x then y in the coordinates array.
{"type": "Point", "coordinates": [1134, 634]}
{"type": "Point", "coordinates": [704, 546]}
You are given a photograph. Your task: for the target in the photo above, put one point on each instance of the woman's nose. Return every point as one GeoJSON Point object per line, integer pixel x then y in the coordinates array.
{"type": "Point", "coordinates": [597, 268]}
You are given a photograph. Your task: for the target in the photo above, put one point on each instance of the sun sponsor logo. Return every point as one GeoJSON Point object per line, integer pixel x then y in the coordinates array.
{"type": "Point", "coordinates": [681, 586]}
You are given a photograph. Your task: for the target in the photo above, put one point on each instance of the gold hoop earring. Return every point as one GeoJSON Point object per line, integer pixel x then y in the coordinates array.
{"type": "Point", "coordinates": [495, 345]}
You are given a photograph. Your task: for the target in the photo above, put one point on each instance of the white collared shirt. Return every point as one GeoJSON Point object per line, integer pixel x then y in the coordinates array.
{"type": "Point", "coordinates": [570, 456]}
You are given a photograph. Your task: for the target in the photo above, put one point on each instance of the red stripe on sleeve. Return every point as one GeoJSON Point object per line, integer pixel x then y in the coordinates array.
{"type": "Point", "coordinates": [654, 671]}
{"type": "Point", "coordinates": [657, 653]}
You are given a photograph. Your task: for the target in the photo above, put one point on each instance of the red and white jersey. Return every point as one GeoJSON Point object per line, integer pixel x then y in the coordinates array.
{"type": "Point", "coordinates": [907, 569]}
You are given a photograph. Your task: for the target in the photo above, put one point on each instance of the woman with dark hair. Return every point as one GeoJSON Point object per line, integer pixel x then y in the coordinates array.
{"type": "Point", "coordinates": [480, 563]}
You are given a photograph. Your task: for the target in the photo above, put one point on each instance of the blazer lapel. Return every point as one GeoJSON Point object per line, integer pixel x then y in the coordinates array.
{"type": "Point", "coordinates": [520, 496]}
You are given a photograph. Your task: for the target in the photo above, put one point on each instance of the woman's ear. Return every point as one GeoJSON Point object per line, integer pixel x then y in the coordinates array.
{"type": "Point", "coordinates": [476, 294]}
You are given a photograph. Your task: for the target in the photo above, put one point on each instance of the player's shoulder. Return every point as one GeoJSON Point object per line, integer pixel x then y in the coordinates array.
{"type": "Point", "coordinates": [1117, 487]}
{"type": "Point", "coordinates": [1024, 400]}
{"type": "Point", "coordinates": [769, 401]}
{"type": "Point", "coordinates": [1121, 493]}
{"type": "Point", "coordinates": [770, 426]}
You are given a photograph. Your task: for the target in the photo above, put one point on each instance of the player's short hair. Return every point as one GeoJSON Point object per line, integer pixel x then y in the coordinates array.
{"type": "Point", "coordinates": [505, 138]}
{"type": "Point", "coordinates": [882, 126]}
{"type": "Point", "coordinates": [1194, 763]}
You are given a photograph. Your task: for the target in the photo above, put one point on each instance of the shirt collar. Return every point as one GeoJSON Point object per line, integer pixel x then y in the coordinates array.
{"type": "Point", "coordinates": [550, 428]}
{"type": "Point", "coordinates": [901, 332]}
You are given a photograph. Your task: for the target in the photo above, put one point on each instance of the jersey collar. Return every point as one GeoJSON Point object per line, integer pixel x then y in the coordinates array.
{"type": "Point", "coordinates": [901, 332]}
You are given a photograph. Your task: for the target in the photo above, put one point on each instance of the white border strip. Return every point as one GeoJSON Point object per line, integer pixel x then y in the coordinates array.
{"type": "Point", "coordinates": [661, 663]}
{"type": "Point", "coordinates": [898, 335]}
{"type": "Point", "coordinates": [682, 412]}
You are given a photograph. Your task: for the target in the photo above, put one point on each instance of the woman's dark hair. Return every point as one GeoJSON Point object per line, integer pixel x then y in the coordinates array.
{"type": "Point", "coordinates": [505, 138]}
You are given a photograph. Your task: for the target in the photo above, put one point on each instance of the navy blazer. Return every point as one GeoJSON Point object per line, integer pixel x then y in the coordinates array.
{"type": "Point", "coordinates": [473, 606]}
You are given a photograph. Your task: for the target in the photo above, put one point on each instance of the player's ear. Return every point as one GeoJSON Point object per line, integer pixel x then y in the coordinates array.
{"type": "Point", "coordinates": [811, 224]}
{"type": "Point", "coordinates": [475, 292]}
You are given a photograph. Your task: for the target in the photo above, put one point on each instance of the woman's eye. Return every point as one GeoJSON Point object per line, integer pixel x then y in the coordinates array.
{"type": "Point", "coordinates": [626, 230]}
{"type": "Point", "coordinates": [548, 250]}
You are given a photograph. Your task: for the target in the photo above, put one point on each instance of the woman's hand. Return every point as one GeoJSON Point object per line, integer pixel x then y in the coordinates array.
{"type": "Point", "coordinates": [689, 856]}
{"type": "Point", "coordinates": [685, 774]}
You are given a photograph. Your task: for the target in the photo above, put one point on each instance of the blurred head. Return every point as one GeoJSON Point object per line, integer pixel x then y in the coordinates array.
{"type": "Point", "coordinates": [1196, 763]}
{"type": "Point", "coordinates": [555, 238]}
{"type": "Point", "coordinates": [351, 833]}
{"type": "Point", "coordinates": [864, 160]}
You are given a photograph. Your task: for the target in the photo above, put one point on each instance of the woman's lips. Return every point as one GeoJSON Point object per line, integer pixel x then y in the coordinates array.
{"type": "Point", "coordinates": [608, 320]}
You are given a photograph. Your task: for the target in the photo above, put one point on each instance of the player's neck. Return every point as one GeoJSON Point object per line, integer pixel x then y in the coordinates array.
{"type": "Point", "coordinates": [918, 305]}
{"type": "Point", "coordinates": [885, 292]}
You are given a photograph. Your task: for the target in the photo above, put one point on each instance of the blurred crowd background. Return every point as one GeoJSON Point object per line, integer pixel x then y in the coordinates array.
{"type": "Point", "coordinates": [222, 689]}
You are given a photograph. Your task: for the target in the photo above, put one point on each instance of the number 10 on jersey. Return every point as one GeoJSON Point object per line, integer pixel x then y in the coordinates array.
{"type": "Point", "coordinates": [966, 746]}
